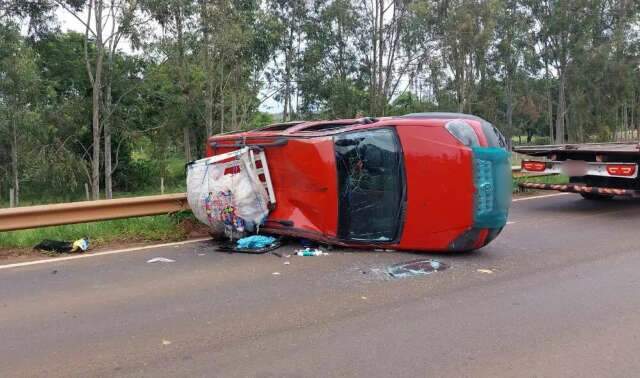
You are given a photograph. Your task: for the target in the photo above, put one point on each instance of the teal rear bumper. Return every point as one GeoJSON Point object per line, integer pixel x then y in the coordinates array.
{"type": "Point", "coordinates": [492, 180]}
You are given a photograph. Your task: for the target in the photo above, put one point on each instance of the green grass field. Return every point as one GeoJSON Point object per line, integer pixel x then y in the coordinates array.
{"type": "Point", "coordinates": [154, 228]}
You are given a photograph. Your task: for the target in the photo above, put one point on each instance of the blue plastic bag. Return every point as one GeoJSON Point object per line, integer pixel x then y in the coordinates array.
{"type": "Point", "coordinates": [255, 242]}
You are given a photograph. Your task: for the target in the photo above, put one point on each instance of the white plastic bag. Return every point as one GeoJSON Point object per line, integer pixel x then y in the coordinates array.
{"type": "Point", "coordinates": [225, 192]}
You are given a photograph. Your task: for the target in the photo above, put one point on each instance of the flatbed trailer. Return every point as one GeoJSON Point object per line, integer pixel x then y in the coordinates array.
{"type": "Point", "coordinates": [595, 170]}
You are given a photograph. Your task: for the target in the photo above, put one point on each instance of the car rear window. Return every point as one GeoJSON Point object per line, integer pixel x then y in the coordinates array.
{"type": "Point", "coordinates": [370, 185]}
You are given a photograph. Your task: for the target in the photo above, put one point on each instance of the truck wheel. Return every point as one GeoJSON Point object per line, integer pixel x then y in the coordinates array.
{"type": "Point", "coordinates": [596, 196]}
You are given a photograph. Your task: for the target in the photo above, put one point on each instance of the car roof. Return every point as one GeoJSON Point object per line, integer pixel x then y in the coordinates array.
{"type": "Point", "coordinates": [328, 127]}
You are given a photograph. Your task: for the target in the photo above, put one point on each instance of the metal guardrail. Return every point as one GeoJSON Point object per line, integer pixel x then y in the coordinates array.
{"type": "Point", "coordinates": [19, 218]}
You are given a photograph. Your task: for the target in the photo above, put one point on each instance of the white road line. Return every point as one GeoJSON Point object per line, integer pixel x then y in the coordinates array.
{"type": "Point", "coordinates": [543, 196]}
{"type": "Point", "coordinates": [113, 252]}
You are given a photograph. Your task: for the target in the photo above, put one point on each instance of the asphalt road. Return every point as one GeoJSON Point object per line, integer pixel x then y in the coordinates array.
{"type": "Point", "coordinates": [563, 300]}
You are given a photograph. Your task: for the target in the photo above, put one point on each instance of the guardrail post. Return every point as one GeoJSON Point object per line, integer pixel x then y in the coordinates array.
{"type": "Point", "coordinates": [161, 185]}
{"type": "Point", "coordinates": [12, 197]}
{"type": "Point", "coordinates": [86, 191]}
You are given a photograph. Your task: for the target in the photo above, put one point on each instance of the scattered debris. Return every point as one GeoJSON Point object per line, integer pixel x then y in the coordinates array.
{"type": "Point", "coordinates": [415, 268]}
{"type": "Point", "coordinates": [166, 342]}
{"type": "Point", "coordinates": [60, 246]}
{"type": "Point", "coordinates": [363, 297]}
{"type": "Point", "coordinates": [287, 263]}
{"type": "Point", "coordinates": [80, 245]}
{"type": "Point", "coordinates": [276, 273]}
{"type": "Point", "coordinates": [160, 259]}
{"type": "Point", "coordinates": [486, 271]}
{"type": "Point", "coordinates": [54, 272]}
{"type": "Point", "coordinates": [255, 242]}
{"type": "Point", "coordinates": [310, 252]}
{"type": "Point", "coordinates": [201, 254]}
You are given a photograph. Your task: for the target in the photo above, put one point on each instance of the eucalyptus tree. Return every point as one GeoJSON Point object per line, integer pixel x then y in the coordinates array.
{"type": "Point", "coordinates": [513, 48]}
{"type": "Point", "coordinates": [331, 82]}
{"type": "Point", "coordinates": [19, 92]}
{"type": "Point", "coordinates": [175, 49]}
{"type": "Point", "coordinates": [286, 20]}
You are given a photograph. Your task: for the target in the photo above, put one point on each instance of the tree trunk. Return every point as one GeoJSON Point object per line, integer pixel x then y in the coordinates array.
{"type": "Point", "coordinates": [379, 91]}
{"type": "Point", "coordinates": [208, 105]}
{"type": "Point", "coordinates": [435, 84]}
{"type": "Point", "coordinates": [106, 126]}
{"type": "Point", "coordinates": [234, 110]}
{"type": "Point", "coordinates": [186, 134]}
{"type": "Point", "coordinates": [221, 97]}
{"type": "Point", "coordinates": [461, 95]}
{"type": "Point", "coordinates": [459, 71]}
{"type": "Point", "coordinates": [561, 115]}
{"type": "Point", "coordinates": [550, 112]}
{"type": "Point", "coordinates": [95, 162]}
{"type": "Point", "coordinates": [287, 82]}
{"type": "Point", "coordinates": [548, 88]}
{"type": "Point", "coordinates": [182, 81]}
{"type": "Point", "coordinates": [14, 162]}
{"type": "Point", "coordinates": [373, 64]}
{"type": "Point", "coordinates": [509, 91]}
{"type": "Point", "coordinates": [285, 109]}
{"type": "Point", "coordinates": [95, 98]}
{"type": "Point", "coordinates": [470, 83]}
{"type": "Point", "coordinates": [208, 96]}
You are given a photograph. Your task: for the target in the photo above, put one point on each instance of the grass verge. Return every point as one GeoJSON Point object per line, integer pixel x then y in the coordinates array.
{"type": "Point", "coordinates": [153, 228]}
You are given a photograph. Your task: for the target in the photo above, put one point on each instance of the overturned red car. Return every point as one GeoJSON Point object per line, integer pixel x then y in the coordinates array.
{"type": "Point", "coordinates": [424, 181]}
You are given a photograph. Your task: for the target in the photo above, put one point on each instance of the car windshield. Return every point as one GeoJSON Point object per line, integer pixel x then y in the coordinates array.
{"type": "Point", "coordinates": [371, 185]}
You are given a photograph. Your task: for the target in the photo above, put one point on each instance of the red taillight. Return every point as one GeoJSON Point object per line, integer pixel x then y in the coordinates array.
{"type": "Point", "coordinates": [621, 169]}
{"type": "Point", "coordinates": [534, 166]}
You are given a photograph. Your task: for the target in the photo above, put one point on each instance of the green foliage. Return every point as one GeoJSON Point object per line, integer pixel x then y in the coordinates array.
{"type": "Point", "coordinates": [143, 175]}
{"type": "Point", "coordinates": [409, 103]}
{"type": "Point", "coordinates": [261, 119]}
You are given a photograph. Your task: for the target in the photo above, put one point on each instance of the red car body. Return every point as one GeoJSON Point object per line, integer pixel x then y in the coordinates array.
{"type": "Point", "coordinates": [402, 183]}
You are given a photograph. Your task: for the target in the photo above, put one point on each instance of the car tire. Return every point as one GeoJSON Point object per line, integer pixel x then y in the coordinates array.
{"type": "Point", "coordinates": [596, 196]}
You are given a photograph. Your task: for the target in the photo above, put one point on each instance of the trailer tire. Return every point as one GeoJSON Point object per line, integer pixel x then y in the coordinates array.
{"type": "Point", "coordinates": [596, 196]}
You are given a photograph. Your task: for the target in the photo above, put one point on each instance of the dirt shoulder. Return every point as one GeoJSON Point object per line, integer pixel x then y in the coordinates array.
{"type": "Point", "coordinates": [190, 230]}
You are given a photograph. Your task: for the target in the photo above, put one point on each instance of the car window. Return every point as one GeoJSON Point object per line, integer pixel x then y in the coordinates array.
{"type": "Point", "coordinates": [371, 184]}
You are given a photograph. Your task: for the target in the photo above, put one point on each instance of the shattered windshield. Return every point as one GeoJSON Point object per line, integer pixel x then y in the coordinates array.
{"type": "Point", "coordinates": [371, 185]}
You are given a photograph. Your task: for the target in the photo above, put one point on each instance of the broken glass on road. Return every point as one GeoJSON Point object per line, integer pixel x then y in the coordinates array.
{"type": "Point", "coordinates": [415, 268]}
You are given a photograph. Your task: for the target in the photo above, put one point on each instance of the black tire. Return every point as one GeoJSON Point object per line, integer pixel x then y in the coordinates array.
{"type": "Point", "coordinates": [596, 196]}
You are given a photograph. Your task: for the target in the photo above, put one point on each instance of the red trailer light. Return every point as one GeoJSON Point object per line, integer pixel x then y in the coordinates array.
{"type": "Point", "coordinates": [621, 169]}
{"type": "Point", "coordinates": [534, 166]}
